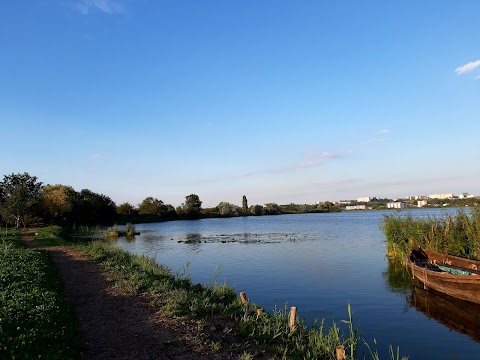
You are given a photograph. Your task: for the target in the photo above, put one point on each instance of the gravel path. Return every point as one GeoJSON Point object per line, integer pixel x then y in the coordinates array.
{"type": "Point", "coordinates": [114, 325]}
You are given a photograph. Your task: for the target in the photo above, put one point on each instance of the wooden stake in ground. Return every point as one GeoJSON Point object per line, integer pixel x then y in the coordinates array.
{"type": "Point", "coordinates": [293, 315]}
{"type": "Point", "coordinates": [340, 351]}
{"type": "Point", "coordinates": [243, 296]}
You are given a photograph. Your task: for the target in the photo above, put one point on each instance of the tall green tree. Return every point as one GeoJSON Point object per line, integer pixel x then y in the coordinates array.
{"type": "Point", "coordinates": [228, 210]}
{"type": "Point", "coordinates": [126, 209]}
{"type": "Point", "coordinates": [192, 207]}
{"type": "Point", "coordinates": [152, 205]}
{"type": "Point", "coordinates": [244, 204]}
{"type": "Point", "coordinates": [19, 198]}
{"type": "Point", "coordinates": [272, 209]}
{"type": "Point", "coordinates": [57, 202]}
{"type": "Point", "coordinates": [90, 208]}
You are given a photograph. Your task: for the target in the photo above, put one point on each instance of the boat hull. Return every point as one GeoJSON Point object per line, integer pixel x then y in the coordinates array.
{"type": "Point", "coordinates": [465, 287]}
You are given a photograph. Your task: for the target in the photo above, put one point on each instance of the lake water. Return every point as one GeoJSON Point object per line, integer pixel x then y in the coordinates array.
{"type": "Point", "coordinates": [319, 263]}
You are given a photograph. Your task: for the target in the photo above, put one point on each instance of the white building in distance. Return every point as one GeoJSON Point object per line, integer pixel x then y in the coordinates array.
{"type": "Point", "coordinates": [421, 203]}
{"type": "Point", "coordinates": [364, 199]}
{"type": "Point", "coordinates": [356, 207]}
{"type": "Point", "coordinates": [396, 205]}
{"type": "Point", "coordinates": [441, 196]}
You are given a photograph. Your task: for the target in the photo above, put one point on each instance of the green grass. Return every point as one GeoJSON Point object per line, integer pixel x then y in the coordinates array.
{"type": "Point", "coordinates": [36, 320]}
{"type": "Point", "coordinates": [50, 236]}
{"type": "Point", "coordinates": [266, 335]}
{"type": "Point", "coordinates": [457, 235]}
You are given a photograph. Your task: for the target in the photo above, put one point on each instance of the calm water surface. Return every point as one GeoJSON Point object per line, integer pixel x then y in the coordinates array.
{"type": "Point", "coordinates": [317, 262]}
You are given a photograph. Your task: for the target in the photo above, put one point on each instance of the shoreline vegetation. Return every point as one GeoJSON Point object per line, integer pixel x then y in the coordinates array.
{"type": "Point", "coordinates": [456, 235]}
{"type": "Point", "coordinates": [225, 321]}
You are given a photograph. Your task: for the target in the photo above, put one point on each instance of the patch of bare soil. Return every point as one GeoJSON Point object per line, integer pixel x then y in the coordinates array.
{"type": "Point", "coordinates": [114, 325]}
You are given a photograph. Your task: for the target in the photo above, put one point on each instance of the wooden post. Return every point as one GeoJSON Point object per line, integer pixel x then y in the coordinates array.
{"type": "Point", "coordinates": [293, 314]}
{"type": "Point", "coordinates": [340, 350]}
{"type": "Point", "coordinates": [259, 311]}
{"type": "Point", "coordinates": [243, 296]}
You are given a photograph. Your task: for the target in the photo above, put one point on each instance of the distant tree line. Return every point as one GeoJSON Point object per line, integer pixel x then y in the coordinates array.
{"type": "Point", "coordinates": [24, 201]}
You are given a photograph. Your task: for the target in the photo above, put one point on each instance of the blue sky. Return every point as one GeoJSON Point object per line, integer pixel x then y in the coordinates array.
{"type": "Point", "coordinates": [281, 101]}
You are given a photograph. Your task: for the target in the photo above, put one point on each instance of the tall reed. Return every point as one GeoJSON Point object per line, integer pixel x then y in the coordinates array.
{"type": "Point", "coordinates": [457, 234]}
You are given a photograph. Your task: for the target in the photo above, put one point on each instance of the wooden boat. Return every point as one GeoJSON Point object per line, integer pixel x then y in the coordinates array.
{"type": "Point", "coordinates": [451, 275]}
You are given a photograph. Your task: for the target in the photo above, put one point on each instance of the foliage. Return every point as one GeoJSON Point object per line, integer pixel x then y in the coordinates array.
{"type": "Point", "coordinates": [51, 236]}
{"type": "Point", "coordinates": [319, 341]}
{"type": "Point", "coordinates": [327, 206]}
{"type": "Point", "coordinates": [225, 209]}
{"type": "Point", "coordinates": [153, 206]}
{"type": "Point", "coordinates": [114, 231]}
{"type": "Point", "coordinates": [244, 204]}
{"type": "Point", "coordinates": [111, 232]}
{"type": "Point", "coordinates": [19, 198]}
{"type": "Point", "coordinates": [256, 210]}
{"type": "Point", "coordinates": [457, 235]}
{"type": "Point", "coordinates": [129, 229]}
{"type": "Point", "coordinates": [90, 208]}
{"type": "Point", "coordinates": [36, 320]}
{"type": "Point", "coordinates": [57, 202]}
{"type": "Point", "coordinates": [127, 209]}
{"type": "Point", "coordinates": [272, 209]}
{"type": "Point", "coordinates": [191, 208]}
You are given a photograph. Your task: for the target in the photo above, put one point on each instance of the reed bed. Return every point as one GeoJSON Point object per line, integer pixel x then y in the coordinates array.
{"type": "Point", "coordinates": [114, 232]}
{"type": "Point", "coordinates": [457, 235]}
{"type": "Point", "coordinates": [262, 335]}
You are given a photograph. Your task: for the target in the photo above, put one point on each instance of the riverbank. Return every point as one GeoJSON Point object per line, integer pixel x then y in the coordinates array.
{"type": "Point", "coordinates": [129, 307]}
{"type": "Point", "coordinates": [114, 322]}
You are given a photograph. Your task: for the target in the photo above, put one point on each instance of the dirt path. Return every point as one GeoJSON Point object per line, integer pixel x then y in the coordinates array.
{"type": "Point", "coordinates": [114, 325]}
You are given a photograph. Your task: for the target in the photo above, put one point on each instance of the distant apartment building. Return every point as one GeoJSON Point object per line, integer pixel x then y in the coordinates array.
{"type": "Point", "coordinates": [364, 199]}
{"type": "Point", "coordinates": [356, 207]}
{"type": "Point", "coordinates": [396, 205]}
{"type": "Point", "coordinates": [417, 197]}
{"type": "Point", "coordinates": [421, 203]}
{"type": "Point", "coordinates": [344, 202]}
{"type": "Point", "coordinates": [465, 196]}
{"type": "Point", "coordinates": [441, 196]}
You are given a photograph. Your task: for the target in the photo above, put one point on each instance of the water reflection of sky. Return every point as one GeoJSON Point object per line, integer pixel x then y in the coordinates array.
{"type": "Point", "coordinates": [317, 262]}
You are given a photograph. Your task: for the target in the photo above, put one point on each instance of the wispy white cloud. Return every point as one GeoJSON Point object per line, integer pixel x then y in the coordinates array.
{"type": "Point", "coordinates": [311, 159]}
{"type": "Point", "coordinates": [468, 67]}
{"type": "Point", "coordinates": [105, 6]}
{"type": "Point", "coordinates": [380, 136]}
{"type": "Point", "coordinates": [315, 158]}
